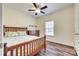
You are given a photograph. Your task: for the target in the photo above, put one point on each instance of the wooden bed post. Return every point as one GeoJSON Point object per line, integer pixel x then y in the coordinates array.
{"type": "Point", "coordinates": [5, 52]}
{"type": "Point", "coordinates": [45, 43]}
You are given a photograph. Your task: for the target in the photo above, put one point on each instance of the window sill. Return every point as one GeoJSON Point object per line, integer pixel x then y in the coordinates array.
{"type": "Point", "coordinates": [49, 35]}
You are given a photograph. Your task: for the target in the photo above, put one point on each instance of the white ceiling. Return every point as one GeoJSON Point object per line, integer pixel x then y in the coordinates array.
{"type": "Point", "coordinates": [52, 7]}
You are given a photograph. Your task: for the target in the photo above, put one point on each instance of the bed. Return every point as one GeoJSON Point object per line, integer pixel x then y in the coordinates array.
{"type": "Point", "coordinates": [23, 45]}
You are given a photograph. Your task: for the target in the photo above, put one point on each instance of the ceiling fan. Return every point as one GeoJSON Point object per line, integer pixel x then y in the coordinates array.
{"type": "Point", "coordinates": [38, 8]}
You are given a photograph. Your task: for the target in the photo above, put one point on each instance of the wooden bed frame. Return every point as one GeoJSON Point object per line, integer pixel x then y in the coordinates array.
{"type": "Point", "coordinates": [34, 46]}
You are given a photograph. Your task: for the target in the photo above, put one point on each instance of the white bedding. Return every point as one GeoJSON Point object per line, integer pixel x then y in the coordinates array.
{"type": "Point", "coordinates": [18, 39]}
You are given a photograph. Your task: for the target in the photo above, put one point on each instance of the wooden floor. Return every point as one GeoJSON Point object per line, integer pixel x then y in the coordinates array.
{"type": "Point", "coordinates": [54, 49]}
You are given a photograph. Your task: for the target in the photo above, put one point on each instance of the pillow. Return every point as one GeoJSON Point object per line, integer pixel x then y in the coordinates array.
{"type": "Point", "coordinates": [11, 34]}
{"type": "Point", "coordinates": [21, 33]}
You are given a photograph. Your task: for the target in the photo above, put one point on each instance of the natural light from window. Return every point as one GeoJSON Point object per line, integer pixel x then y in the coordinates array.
{"type": "Point", "coordinates": [49, 28]}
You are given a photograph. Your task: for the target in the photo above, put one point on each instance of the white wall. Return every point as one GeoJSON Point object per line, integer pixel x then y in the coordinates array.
{"type": "Point", "coordinates": [15, 18]}
{"type": "Point", "coordinates": [0, 22]}
{"type": "Point", "coordinates": [0, 28]}
{"type": "Point", "coordinates": [64, 26]}
{"type": "Point", "coordinates": [64, 23]}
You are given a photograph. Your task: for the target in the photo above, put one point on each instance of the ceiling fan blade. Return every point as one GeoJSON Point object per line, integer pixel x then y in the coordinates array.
{"type": "Point", "coordinates": [35, 5]}
{"type": "Point", "coordinates": [35, 13]}
{"type": "Point", "coordinates": [43, 7]}
{"type": "Point", "coordinates": [42, 12]}
{"type": "Point", "coordinates": [31, 10]}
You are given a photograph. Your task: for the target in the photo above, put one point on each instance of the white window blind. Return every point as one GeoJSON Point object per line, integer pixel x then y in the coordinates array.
{"type": "Point", "coordinates": [49, 28]}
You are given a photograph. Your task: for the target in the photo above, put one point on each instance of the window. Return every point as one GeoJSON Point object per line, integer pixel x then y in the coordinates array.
{"type": "Point", "coordinates": [49, 28]}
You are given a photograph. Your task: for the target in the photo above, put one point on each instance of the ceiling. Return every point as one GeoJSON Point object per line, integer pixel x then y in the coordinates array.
{"type": "Point", "coordinates": [23, 7]}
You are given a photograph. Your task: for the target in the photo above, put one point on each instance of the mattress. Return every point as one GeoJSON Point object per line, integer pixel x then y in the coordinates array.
{"type": "Point", "coordinates": [18, 39]}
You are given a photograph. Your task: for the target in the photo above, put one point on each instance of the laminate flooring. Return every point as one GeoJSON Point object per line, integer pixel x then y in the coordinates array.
{"type": "Point", "coordinates": [55, 49]}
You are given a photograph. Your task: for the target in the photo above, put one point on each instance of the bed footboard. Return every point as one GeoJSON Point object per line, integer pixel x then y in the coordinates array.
{"type": "Point", "coordinates": [30, 48]}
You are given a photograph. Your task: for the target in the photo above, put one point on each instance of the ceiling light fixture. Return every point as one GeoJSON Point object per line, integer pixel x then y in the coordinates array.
{"type": "Point", "coordinates": [37, 10]}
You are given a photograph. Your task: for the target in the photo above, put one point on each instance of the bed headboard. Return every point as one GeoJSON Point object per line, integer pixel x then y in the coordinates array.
{"type": "Point", "coordinates": [13, 29]}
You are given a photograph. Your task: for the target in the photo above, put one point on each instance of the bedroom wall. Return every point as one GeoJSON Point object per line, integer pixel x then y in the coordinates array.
{"type": "Point", "coordinates": [64, 23]}
{"type": "Point", "coordinates": [15, 18]}
{"type": "Point", "coordinates": [0, 22]}
{"type": "Point", "coordinates": [0, 28]}
{"type": "Point", "coordinates": [64, 26]}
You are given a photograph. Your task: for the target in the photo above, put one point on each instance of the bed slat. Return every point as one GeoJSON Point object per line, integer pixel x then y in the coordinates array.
{"type": "Point", "coordinates": [37, 44]}
{"type": "Point", "coordinates": [32, 47]}
{"type": "Point", "coordinates": [27, 49]}
{"type": "Point", "coordinates": [11, 53]}
{"type": "Point", "coordinates": [24, 50]}
{"type": "Point", "coordinates": [20, 50]}
{"type": "Point", "coordinates": [16, 51]}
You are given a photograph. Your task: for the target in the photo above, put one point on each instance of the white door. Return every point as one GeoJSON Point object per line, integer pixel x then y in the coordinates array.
{"type": "Point", "coordinates": [77, 18]}
{"type": "Point", "coordinates": [77, 44]}
{"type": "Point", "coordinates": [77, 28]}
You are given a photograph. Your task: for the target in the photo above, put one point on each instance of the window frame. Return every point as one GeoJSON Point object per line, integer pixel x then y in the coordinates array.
{"type": "Point", "coordinates": [52, 27]}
